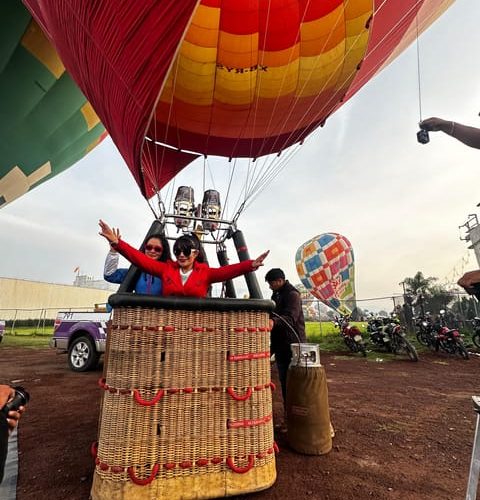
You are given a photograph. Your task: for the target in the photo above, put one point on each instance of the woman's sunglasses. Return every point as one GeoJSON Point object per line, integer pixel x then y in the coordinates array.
{"type": "Point", "coordinates": [185, 250]}
{"type": "Point", "coordinates": [154, 248]}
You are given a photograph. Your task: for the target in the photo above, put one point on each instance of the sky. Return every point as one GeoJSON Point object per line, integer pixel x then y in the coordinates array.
{"type": "Point", "coordinates": [363, 175]}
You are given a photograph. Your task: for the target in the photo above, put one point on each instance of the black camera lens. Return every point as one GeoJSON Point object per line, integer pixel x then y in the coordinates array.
{"type": "Point", "coordinates": [423, 137]}
{"type": "Point", "coordinates": [21, 398]}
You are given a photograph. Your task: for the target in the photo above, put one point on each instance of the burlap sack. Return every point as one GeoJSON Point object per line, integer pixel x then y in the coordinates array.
{"type": "Point", "coordinates": [308, 415]}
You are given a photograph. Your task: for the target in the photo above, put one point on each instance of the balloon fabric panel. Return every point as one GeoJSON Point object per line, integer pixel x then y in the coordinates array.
{"type": "Point", "coordinates": [40, 106]}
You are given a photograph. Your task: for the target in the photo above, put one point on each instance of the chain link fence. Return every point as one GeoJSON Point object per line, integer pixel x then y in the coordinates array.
{"type": "Point", "coordinates": [39, 320]}
{"type": "Point", "coordinates": [460, 308]}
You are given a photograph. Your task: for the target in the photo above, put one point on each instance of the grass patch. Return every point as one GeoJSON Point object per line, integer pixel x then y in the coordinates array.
{"type": "Point", "coordinates": [29, 330]}
{"type": "Point", "coordinates": [34, 341]}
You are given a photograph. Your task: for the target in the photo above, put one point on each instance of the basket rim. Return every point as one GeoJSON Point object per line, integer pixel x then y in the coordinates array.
{"type": "Point", "coordinates": [189, 303]}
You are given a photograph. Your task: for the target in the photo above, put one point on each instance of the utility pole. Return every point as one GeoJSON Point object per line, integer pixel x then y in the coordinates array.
{"type": "Point", "coordinates": [407, 309]}
{"type": "Point", "coordinates": [471, 234]}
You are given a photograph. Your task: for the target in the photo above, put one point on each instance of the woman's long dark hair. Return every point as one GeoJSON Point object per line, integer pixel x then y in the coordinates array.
{"type": "Point", "coordinates": [191, 240]}
{"type": "Point", "coordinates": [166, 247]}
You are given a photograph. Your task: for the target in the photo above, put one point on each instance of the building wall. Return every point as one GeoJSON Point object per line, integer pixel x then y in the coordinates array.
{"type": "Point", "coordinates": [24, 299]}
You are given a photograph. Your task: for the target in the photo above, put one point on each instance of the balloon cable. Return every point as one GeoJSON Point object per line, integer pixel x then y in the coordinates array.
{"type": "Point", "coordinates": [288, 325]}
{"type": "Point", "coordinates": [418, 73]}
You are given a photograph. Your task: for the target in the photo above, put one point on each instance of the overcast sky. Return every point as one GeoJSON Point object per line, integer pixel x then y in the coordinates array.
{"type": "Point", "coordinates": [363, 175]}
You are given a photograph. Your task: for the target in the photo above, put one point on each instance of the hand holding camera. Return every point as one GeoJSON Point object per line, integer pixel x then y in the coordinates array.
{"type": "Point", "coordinates": [20, 398]}
{"type": "Point", "coordinates": [11, 399]}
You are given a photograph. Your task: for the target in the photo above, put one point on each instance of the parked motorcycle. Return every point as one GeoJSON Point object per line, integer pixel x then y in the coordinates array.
{"type": "Point", "coordinates": [425, 330]}
{"type": "Point", "coordinates": [476, 331]}
{"type": "Point", "coordinates": [387, 333]}
{"type": "Point", "coordinates": [351, 335]}
{"type": "Point", "coordinates": [449, 340]}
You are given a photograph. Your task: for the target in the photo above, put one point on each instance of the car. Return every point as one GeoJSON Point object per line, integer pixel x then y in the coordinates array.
{"type": "Point", "coordinates": [83, 336]}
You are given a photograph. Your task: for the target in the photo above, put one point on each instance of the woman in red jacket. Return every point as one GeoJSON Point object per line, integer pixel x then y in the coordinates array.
{"type": "Point", "coordinates": [187, 276]}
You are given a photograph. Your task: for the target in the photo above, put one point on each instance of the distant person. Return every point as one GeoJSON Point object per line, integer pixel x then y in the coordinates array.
{"type": "Point", "coordinates": [288, 323]}
{"type": "Point", "coordinates": [7, 423]}
{"type": "Point", "coordinates": [156, 248]}
{"type": "Point", "coordinates": [463, 133]}
{"type": "Point", "coordinates": [188, 275]}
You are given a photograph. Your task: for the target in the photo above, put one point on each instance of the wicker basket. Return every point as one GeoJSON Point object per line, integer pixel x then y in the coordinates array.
{"type": "Point", "coordinates": [187, 407]}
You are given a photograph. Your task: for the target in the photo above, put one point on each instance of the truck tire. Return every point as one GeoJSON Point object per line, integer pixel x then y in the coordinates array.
{"type": "Point", "coordinates": [82, 355]}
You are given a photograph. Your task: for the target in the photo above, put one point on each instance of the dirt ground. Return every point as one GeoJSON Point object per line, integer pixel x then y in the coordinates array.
{"type": "Point", "coordinates": [404, 430]}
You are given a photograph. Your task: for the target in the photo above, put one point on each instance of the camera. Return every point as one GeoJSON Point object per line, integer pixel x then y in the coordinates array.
{"type": "Point", "coordinates": [423, 137]}
{"type": "Point", "coordinates": [21, 398]}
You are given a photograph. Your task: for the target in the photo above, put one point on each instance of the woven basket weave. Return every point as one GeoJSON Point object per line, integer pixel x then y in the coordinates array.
{"type": "Point", "coordinates": [187, 407]}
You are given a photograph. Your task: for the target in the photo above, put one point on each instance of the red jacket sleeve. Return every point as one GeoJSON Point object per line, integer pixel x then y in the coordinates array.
{"type": "Point", "coordinates": [140, 260]}
{"type": "Point", "coordinates": [216, 274]}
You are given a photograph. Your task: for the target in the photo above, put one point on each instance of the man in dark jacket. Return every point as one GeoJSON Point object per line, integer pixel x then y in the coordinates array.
{"type": "Point", "coordinates": [288, 324]}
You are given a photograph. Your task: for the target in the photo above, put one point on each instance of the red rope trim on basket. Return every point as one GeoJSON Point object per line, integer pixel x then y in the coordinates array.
{"type": "Point", "coordinates": [151, 402]}
{"type": "Point", "coordinates": [185, 390]}
{"type": "Point", "coordinates": [241, 470]}
{"type": "Point", "coordinates": [186, 464]}
{"type": "Point", "coordinates": [236, 397]}
{"type": "Point", "coordinates": [147, 480]}
{"type": "Point", "coordinates": [251, 422]}
{"type": "Point", "coordinates": [248, 356]}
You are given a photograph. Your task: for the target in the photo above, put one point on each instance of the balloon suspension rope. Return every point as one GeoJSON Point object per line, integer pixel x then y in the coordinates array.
{"type": "Point", "coordinates": [289, 326]}
{"type": "Point", "coordinates": [419, 74]}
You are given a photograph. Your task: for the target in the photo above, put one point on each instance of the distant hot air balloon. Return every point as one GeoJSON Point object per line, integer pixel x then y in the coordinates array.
{"type": "Point", "coordinates": [181, 79]}
{"type": "Point", "coordinates": [46, 123]}
{"type": "Point", "coordinates": [325, 265]}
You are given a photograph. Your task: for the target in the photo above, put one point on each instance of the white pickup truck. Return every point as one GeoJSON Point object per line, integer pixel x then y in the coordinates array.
{"type": "Point", "coordinates": [83, 336]}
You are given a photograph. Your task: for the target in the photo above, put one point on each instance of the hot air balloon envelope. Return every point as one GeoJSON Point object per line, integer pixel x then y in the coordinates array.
{"type": "Point", "coordinates": [174, 80]}
{"type": "Point", "coordinates": [325, 265]}
{"type": "Point", "coordinates": [46, 123]}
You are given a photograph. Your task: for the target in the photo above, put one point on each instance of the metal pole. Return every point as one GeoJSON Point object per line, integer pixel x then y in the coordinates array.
{"type": "Point", "coordinates": [243, 254]}
{"type": "Point", "coordinates": [223, 261]}
{"type": "Point", "coordinates": [475, 461]}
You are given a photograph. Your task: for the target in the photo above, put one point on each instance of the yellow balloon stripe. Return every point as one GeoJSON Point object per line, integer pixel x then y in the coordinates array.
{"type": "Point", "coordinates": [38, 45]}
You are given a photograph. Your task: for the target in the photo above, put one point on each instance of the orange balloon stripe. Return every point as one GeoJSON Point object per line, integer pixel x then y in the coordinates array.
{"type": "Point", "coordinates": [244, 123]}
{"type": "Point", "coordinates": [203, 30]}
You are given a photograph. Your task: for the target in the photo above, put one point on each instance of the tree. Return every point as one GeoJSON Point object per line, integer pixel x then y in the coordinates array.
{"type": "Point", "coordinates": [428, 295]}
{"type": "Point", "coordinates": [418, 284]}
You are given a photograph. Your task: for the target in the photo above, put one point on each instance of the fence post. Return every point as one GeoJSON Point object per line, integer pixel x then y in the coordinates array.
{"type": "Point", "coordinates": [12, 328]}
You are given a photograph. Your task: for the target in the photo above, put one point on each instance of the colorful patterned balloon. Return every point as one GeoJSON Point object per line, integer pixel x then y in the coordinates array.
{"type": "Point", "coordinates": [325, 267]}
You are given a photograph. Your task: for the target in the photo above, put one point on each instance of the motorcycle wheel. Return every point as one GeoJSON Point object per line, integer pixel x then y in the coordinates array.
{"type": "Point", "coordinates": [411, 351]}
{"type": "Point", "coordinates": [350, 344]}
{"type": "Point", "coordinates": [423, 338]}
{"type": "Point", "coordinates": [476, 339]}
{"type": "Point", "coordinates": [462, 351]}
{"type": "Point", "coordinates": [362, 349]}
{"type": "Point", "coordinates": [405, 345]}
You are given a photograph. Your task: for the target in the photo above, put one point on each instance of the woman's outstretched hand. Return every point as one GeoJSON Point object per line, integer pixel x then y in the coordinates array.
{"type": "Point", "coordinates": [259, 260]}
{"type": "Point", "coordinates": [111, 235]}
